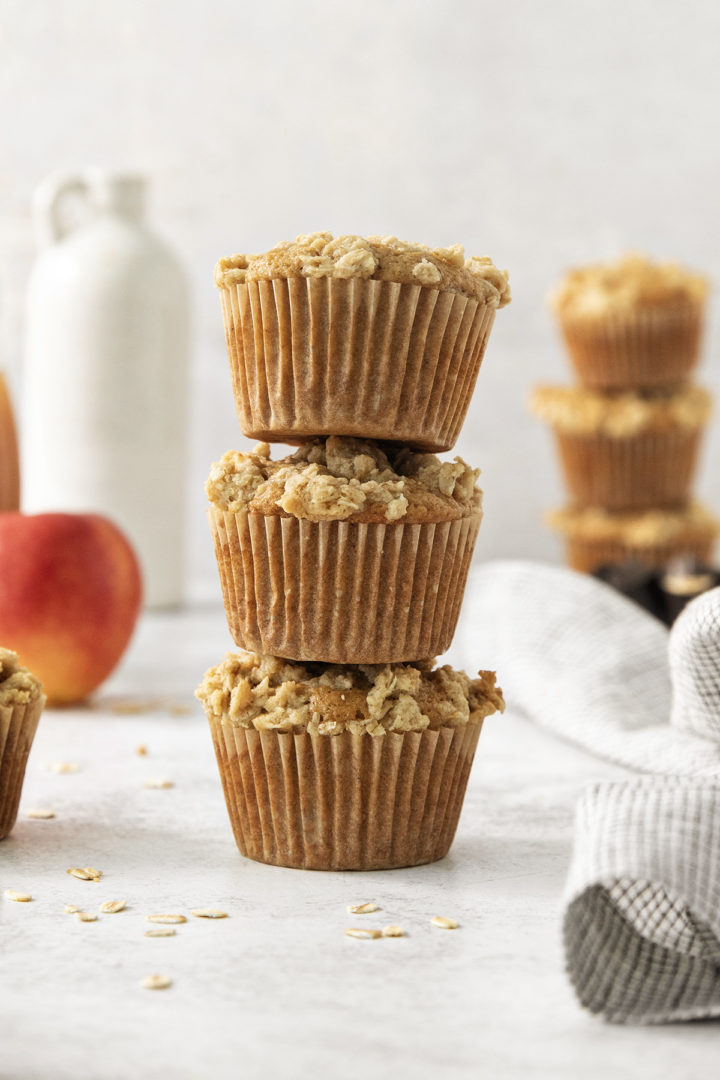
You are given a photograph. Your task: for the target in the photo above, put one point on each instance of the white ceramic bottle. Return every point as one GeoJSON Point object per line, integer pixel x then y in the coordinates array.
{"type": "Point", "coordinates": [103, 419]}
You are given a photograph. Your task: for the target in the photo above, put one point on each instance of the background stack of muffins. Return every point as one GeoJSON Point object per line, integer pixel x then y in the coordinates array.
{"type": "Point", "coordinates": [343, 565]}
{"type": "Point", "coordinates": [628, 435]}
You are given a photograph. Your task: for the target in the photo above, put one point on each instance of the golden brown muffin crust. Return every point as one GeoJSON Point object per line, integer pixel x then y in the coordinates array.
{"type": "Point", "coordinates": [576, 410]}
{"type": "Point", "coordinates": [646, 528]}
{"type": "Point", "coordinates": [625, 285]}
{"type": "Point", "coordinates": [272, 694]}
{"type": "Point", "coordinates": [18, 686]}
{"type": "Point", "coordinates": [344, 479]}
{"type": "Point", "coordinates": [380, 258]}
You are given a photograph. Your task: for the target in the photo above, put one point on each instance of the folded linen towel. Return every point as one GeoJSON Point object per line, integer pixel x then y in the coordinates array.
{"type": "Point", "coordinates": [592, 667]}
{"type": "Point", "coordinates": [642, 923]}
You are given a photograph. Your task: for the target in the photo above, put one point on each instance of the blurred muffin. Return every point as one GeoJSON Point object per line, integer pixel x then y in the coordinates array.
{"type": "Point", "coordinates": [345, 552]}
{"type": "Point", "coordinates": [341, 767]}
{"type": "Point", "coordinates": [21, 703]}
{"type": "Point", "coordinates": [633, 323]}
{"type": "Point", "coordinates": [654, 538]}
{"type": "Point", "coordinates": [351, 336]}
{"type": "Point", "coordinates": [626, 450]}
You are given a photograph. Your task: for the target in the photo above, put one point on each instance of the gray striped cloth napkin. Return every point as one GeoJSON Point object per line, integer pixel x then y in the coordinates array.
{"type": "Point", "coordinates": [642, 905]}
{"type": "Point", "coordinates": [642, 922]}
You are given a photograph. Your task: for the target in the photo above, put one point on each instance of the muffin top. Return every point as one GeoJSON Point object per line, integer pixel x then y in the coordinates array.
{"type": "Point", "coordinates": [629, 283]}
{"type": "Point", "coordinates": [18, 686]}
{"type": "Point", "coordinates": [576, 410]}
{"type": "Point", "coordinates": [637, 528]}
{"type": "Point", "coordinates": [343, 479]}
{"type": "Point", "coordinates": [381, 258]}
{"type": "Point", "coordinates": [272, 694]}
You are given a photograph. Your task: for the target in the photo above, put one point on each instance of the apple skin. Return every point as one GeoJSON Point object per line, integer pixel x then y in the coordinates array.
{"type": "Point", "coordinates": [70, 595]}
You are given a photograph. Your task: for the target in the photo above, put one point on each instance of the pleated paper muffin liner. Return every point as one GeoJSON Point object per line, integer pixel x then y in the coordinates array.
{"type": "Point", "coordinates": [644, 350]}
{"type": "Point", "coordinates": [18, 724]}
{"type": "Point", "coordinates": [344, 802]}
{"type": "Point", "coordinates": [373, 359]}
{"type": "Point", "coordinates": [342, 592]}
{"type": "Point", "coordinates": [640, 472]}
{"type": "Point", "coordinates": [588, 555]}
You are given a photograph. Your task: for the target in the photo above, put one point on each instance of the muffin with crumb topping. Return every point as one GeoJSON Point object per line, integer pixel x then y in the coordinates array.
{"type": "Point", "coordinates": [342, 767]}
{"type": "Point", "coordinates": [629, 450]}
{"type": "Point", "coordinates": [21, 703]}
{"type": "Point", "coordinates": [631, 324]}
{"type": "Point", "coordinates": [597, 537]}
{"type": "Point", "coordinates": [346, 551]}
{"type": "Point", "coordinates": [355, 336]}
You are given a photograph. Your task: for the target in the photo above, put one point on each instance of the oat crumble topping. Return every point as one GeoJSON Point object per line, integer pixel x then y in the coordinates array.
{"type": "Point", "coordinates": [382, 258]}
{"type": "Point", "coordinates": [636, 528]}
{"type": "Point", "coordinates": [343, 479]}
{"type": "Point", "coordinates": [18, 686]}
{"type": "Point", "coordinates": [576, 410]}
{"type": "Point", "coordinates": [631, 282]}
{"type": "Point", "coordinates": [272, 694]}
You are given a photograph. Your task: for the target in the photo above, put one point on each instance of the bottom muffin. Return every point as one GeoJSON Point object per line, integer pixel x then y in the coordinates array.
{"type": "Point", "coordinates": [596, 538]}
{"type": "Point", "coordinates": [21, 702]}
{"type": "Point", "coordinates": [344, 767]}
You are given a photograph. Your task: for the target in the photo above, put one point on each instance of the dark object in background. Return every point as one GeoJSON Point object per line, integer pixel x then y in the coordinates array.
{"type": "Point", "coordinates": [664, 593]}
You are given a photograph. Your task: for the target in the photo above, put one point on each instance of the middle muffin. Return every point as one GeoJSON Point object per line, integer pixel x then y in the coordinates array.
{"type": "Point", "coordinates": [347, 551]}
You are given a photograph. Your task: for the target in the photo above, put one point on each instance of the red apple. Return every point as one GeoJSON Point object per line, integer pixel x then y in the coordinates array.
{"type": "Point", "coordinates": [70, 592]}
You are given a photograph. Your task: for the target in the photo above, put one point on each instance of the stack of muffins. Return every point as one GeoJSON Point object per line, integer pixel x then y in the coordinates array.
{"type": "Point", "coordinates": [628, 435]}
{"type": "Point", "coordinates": [340, 745]}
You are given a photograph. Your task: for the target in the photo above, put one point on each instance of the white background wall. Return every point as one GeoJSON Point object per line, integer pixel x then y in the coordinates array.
{"type": "Point", "coordinates": [540, 133]}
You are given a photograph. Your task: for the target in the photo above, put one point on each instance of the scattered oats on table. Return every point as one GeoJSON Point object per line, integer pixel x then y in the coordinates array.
{"type": "Point", "coordinates": [363, 909]}
{"type": "Point", "coordinates": [165, 918]}
{"type": "Point", "coordinates": [86, 916]}
{"type": "Point", "coordinates": [110, 907]}
{"type": "Point", "coordinates": [41, 814]}
{"type": "Point", "coordinates": [18, 897]}
{"type": "Point", "coordinates": [393, 931]}
{"type": "Point", "coordinates": [356, 932]}
{"type": "Point", "coordinates": [161, 931]}
{"type": "Point", "coordinates": [141, 750]}
{"type": "Point", "coordinates": [85, 873]}
{"type": "Point", "coordinates": [444, 923]}
{"type": "Point", "coordinates": [132, 708]}
{"type": "Point", "coordinates": [158, 784]}
{"type": "Point", "coordinates": [209, 913]}
{"type": "Point", "coordinates": [64, 767]}
{"type": "Point", "coordinates": [156, 982]}
{"type": "Point", "coordinates": [72, 909]}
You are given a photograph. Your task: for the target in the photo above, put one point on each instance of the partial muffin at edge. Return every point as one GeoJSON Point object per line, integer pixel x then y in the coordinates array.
{"type": "Point", "coordinates": [21, 703]}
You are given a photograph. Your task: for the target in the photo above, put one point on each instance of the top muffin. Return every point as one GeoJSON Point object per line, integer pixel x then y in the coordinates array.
{"type": "Point", "coordinates": [632, 324]}
{"type": "Point", "coordinates": [382, 258]}
{"type": "Point", "coordinates": [357, 336]}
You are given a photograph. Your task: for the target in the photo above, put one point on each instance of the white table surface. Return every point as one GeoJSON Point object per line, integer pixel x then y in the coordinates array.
{"type": "Point", "coordinates": [277, 990]}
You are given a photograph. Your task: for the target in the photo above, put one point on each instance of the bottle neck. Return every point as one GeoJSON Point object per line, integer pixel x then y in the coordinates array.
{"type": "Point", "coordinates": [123, 196]}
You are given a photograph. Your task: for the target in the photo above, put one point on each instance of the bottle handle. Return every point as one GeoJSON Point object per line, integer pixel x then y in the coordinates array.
{"type": "Point", "coordinates": [50, 196]}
